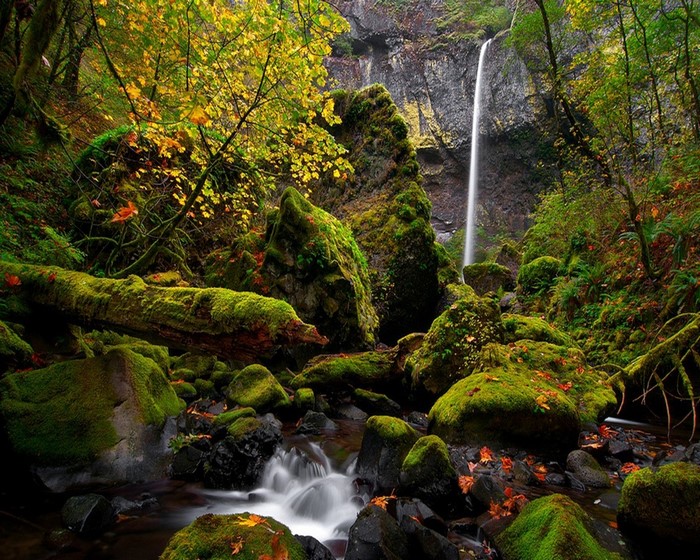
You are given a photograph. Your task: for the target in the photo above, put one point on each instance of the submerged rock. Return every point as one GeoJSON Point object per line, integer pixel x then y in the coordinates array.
{"type": "Point", "coordinates": [587, 470]}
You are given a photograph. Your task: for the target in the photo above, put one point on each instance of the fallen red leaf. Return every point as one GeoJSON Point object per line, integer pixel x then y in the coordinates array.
{"type": "Point", "coordinates": [506, 464]}
{"type": "Point", "coordinates": [465, 483]}
{"type": "Point", "coordinates": [12, 280]}
{"type": "Point", "coordinates": [485, 454]}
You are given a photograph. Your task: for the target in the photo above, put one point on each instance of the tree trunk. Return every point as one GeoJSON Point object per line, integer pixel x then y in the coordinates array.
{"type": "Point", "coordinates": [232, 325]}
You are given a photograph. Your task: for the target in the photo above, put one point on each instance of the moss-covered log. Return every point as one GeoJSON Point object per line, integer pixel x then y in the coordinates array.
{"type": "Point", "coordinates": [238, 325]}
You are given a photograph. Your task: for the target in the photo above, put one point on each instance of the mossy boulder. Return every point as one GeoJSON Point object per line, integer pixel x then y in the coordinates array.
{"type": "Point", "coordinates": [531, 393]}
{"type": "Point", "coordinates": [106, 418]}
{"type": "Point", "coordinates": [386, 207]}
{"type": "Point", "coordinates": [256, 387]}
{"type": "Point", "coordinates": [537, 276]}
{"type": "Point", "coordinates": [311, 260]}
{"type": "Point", "coordinates": [385, 444]}
{"type": "Point", "coordinates": [488, 277]}
{"type": "Point", "coordinates": [376, 403]}
{"type": "Point", "coordinates": [215, 536]}
{"type": "Point", "coordinates": [13, 350]}
{"type": "Point", "coordinates": [519, 327]}
{"type": "Point", "coordinates": [452, 346]}
{"type": "Point", "coordinates": [427, 473]}
{"type": "Point", "coordinates": [662, 505]}
{"type": "Point", "coordinates": [201, 365]}
{"type": "Point", "coordinates": [553, 527]}
{"type": "Point", "coordinates": [586, 469]}
{"type": "Point", "coordinates": [344, 372]}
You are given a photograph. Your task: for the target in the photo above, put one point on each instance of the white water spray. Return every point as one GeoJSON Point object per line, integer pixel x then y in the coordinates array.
{"type": "Point", "coordinates": [470, 227]}
{"type": "Point", "coordinates": [299, 489]}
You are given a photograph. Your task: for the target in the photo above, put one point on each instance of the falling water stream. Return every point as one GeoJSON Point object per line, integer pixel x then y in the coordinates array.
{"type": "Point", "coordinates": [470, 227]}
{"type": "Point", "coordinates": [299, 489]}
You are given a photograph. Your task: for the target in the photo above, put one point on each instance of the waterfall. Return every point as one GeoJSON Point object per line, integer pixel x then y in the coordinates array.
{"type": "Point", "coordinates": [470, 227]}
{"type": "Point", "coordinates": [301, 490]}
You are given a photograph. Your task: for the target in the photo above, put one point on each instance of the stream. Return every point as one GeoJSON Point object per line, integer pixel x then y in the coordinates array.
{"type": "Point", "coordinates": [308, 485]}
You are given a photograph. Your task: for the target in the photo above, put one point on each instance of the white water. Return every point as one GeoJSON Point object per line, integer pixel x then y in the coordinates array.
{"type": "Point", "coordinates": [470, 227]}
{"type": "Point", "coordinates": [301, 491]}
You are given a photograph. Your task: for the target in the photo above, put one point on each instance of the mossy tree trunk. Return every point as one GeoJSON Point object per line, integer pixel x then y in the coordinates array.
{"type": "Point", "coordinates": [238, 325]}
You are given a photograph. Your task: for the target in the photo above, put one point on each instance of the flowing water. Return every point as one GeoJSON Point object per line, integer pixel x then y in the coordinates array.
{"type": "Point", "coordinates": [470, 227]}
{"type": "Point", "coordinates": [301, 490]}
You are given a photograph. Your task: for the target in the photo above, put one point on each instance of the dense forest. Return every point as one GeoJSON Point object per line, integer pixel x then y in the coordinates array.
{"type": "Point", "coordinates": [215, 263]}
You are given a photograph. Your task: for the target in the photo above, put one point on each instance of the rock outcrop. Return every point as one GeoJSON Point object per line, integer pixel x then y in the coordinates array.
{"type": "Point", "coordinates": [428, 63]}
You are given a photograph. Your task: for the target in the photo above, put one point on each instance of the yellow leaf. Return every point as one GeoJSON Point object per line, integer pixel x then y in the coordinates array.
{"type": "Point", "coordinates": [252, 520]}
{"type": "Point", "coordinates": [198, 116]}
{"type": "Point", "coordinates": [542, 402]}
{"type": "Point", "coordinates": [101, 22]}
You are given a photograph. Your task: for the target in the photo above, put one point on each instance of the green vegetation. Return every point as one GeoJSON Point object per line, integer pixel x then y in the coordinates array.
{"type": "Point", "coordinates": [254, 386]}
{"type": "Point", "coordinates": [552, 527]}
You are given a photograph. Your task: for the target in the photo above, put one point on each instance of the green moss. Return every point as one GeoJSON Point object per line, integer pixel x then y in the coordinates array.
{"type": "Point", "coordinates": [166, 279]}
{"type": "Point", "coordinates": [61, 415]}
{"type": "Point", "coordinates": [213, 536]}
{"type": "Point", "coordinates": [488, 277]}
{"type": "Point", "coordinates": [345, 371]}
{"type": "Point", "coordinates": [427, 460]}
{"type": "Point", "coordinates": [452, 345]}
{"type": "Point", "coordinates": [12, 347]}
{"type": "Point", "coordinates": [553, 527]}
{"type": "Point", "coordinates": [201, 365]}
{"type": "Point", "coordinates": [205, 387]}
{"type": "Point", "coordinates": [242, 426]}
{"type": "Point", "coordinates": [229, 417]}
{"type": "Point", "coordinates": [256, 387]}
{"type": "Point", "coordinates": [502, 407]}
{"type": "Point", "coordinates": [184, 390]}
{"type": "Point", "coordinates": [304, 398]}
{"type": "Point", "coordinates": [519, 327]}
{"type": "Point", "coordinates": [663, 503]}
{"type": "Point", "coordinates": [223, 378]}
{"type": "Point", "coordinates": [537, 276]}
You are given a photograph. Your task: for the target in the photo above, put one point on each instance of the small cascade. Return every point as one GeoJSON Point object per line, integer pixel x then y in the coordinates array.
{"type": "Point", "coordinates": [470, 227]}
{"type": "Point", "coordinates": [301, 490]}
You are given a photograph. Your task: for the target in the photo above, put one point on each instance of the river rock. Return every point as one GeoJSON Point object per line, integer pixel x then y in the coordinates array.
{"type": "Point", "coordinates": [662, 507]}
{"type": "Point", "coordinates": [215, 536]}
{"type": "Point", "coordinates": [586, 469]}
{"type": "Point", "coordinates": [385, 444]}
{"type": "Point", "coordinates": [315, 423]}
{"type": "Point", "coordinates": [254, 386]}
{"type": "Point", "coordinates": [314, 549]}
{"type": "Point", "coordinates": [552, 527]}
{"type": "Point", "coordinates": [451, 348]}
{"type": "Point", "coordinates": [238, 461]}
{"type": "Point", "coordinates": [428, 474]}
{"type": "Point", "coordinates": [106, 419]}
{"type": "Point", "coordinates": [376, 404]}
{"type": "Point", "coordinates": [89, 514]}
{"type": "Point", "coordinates": [427, 544]}
{"type": "Point", "coordinates": [376, 535]}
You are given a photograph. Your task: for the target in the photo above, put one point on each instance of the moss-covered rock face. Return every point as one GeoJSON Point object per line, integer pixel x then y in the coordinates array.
{"type": "Point", "coordinates": [13, 350]}
{"type": "Point", "coordinates": [529, 393]}
{"type": "Point", "coordinates": [428, 473]}
{"type": "Point", "coordinates": [309, 259]}
{"type": "Point", "coordinates": [341, 372]}
{"type": "Point", "coordinates": [385, 444]}
{"type": "Point", "coordinates": [451, 348]}
{"type": "Point", "coordinates": [538, 275]}
{"type": "Point", "coordinates": [519, 327]}
{"type": "Point", "coordinates": [662, 504]}
{"type": "Point", "coordinates": [92, 414]}
{"type": "Point", "coordinates": [257, 388]}
{"type": "Point", "coordinates": [215, 537]}
{"type": "Point", "coordinates": [552, 527]}
{"type": "Point", "coordinates": [387, 209]}
{"type": "Point", "coordinates": [488, 277]}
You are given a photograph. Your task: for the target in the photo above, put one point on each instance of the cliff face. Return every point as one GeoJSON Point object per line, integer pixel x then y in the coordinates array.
{"type": "Point", "coordinates": [431, 73]}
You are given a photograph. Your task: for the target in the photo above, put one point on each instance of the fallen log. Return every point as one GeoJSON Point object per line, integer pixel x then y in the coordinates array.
{"type": "Point", "coordinates": [236, 325]}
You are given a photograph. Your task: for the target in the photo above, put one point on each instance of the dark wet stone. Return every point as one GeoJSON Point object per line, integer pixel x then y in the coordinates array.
{"type": "Point", "coordinates": [314, 549]}
{"type": "Point", "coordinates": [315, 423]}
{"type": "Point", "coordinates": [89, 514]}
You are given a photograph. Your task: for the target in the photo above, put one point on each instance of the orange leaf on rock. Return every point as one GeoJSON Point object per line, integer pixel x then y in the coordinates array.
{"type": "Point", "coordinates": [628, 468]}
{"type": "Point", "coordinates": [380, 501]}
{"type": "Point", "coordinates": [279, 550]}
{"type": "Point", "coordinates": [506, 464]}
{"type": "Point", "coordinates": [465, 483]}
{"type": "Point", "coordinates": [485, 454]}
{"type": "Point", "coordinates": [236, 545]}
{"type": "Point", "coordinates": [252, 520]}
{"type": "Point", "coordinates": [496, 510]}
